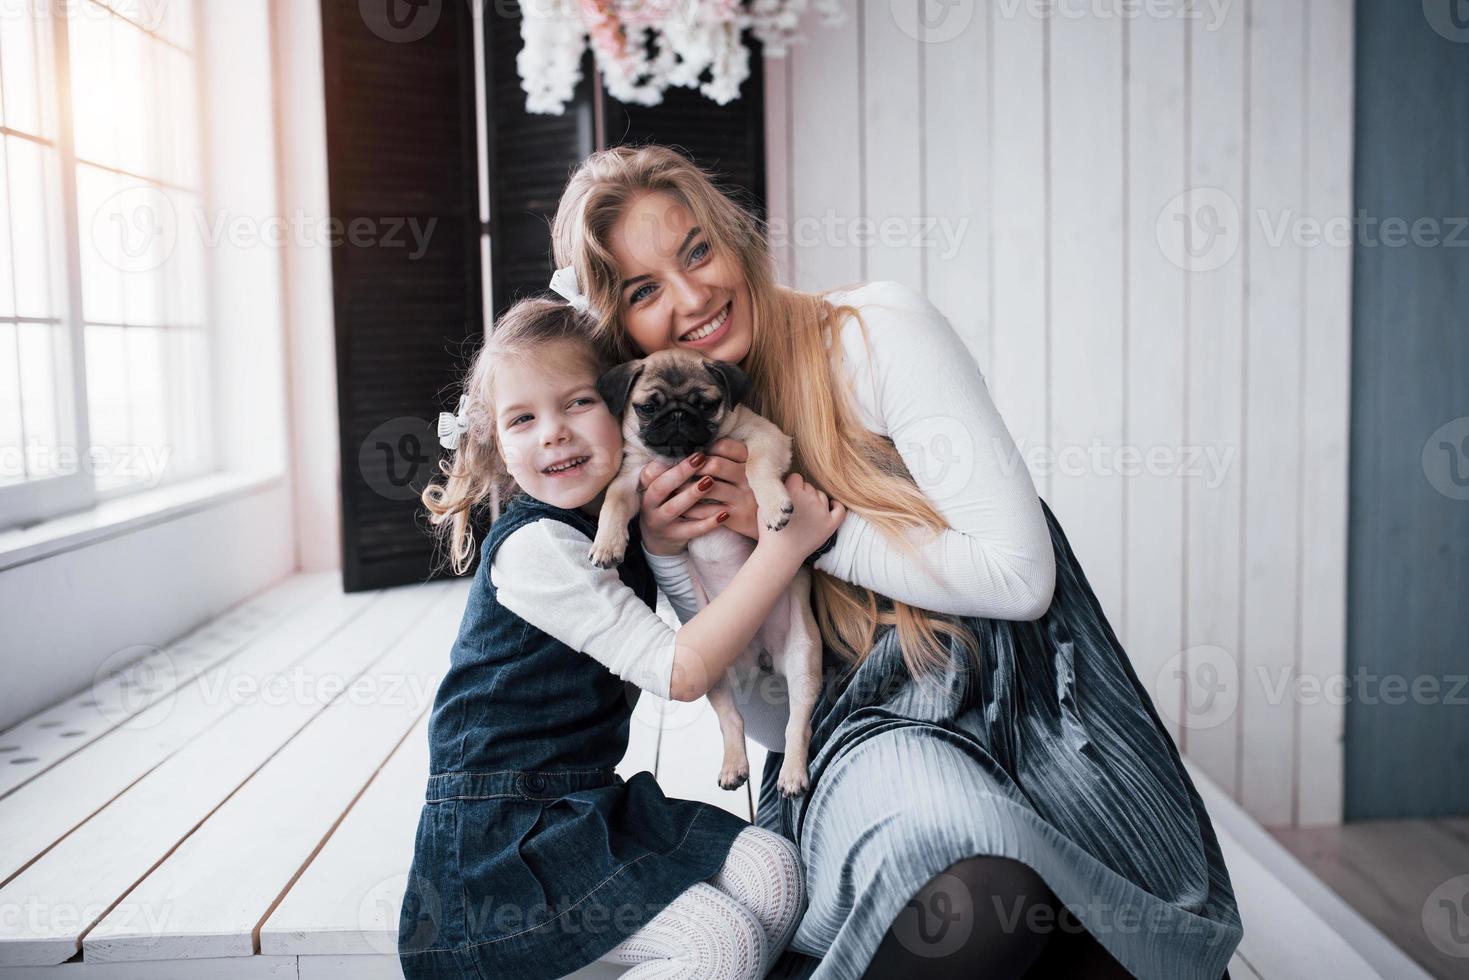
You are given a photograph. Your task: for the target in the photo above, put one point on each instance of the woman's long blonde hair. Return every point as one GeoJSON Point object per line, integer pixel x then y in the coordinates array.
{"type": "Point", "coordinates": [793, 373]}
{"type": "Point", "coordinates": [475, 472]}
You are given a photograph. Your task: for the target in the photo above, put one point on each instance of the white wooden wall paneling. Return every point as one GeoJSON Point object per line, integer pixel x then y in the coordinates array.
{"type": "Point", "coordinates": [1213, 404]}
{"type": "Point", "coordinates": [1088, 370]}
{"type": "Point", "coordinates": [826, 156]}
{"type": "Point", "coordinates": [1020, 308]}
{"type": "Point", "coordinates": [955, 181]}
{"type": "Point", "coordinates": [1327, 393]}
{"type": "Point", "coordinates": [1155, 331]}
{"type": "Point", "coordinates": [1272, 474]}
{"type": "Point", "coordinates": [891, 98]}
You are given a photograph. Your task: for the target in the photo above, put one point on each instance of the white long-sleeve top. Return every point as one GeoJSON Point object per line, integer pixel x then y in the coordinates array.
{"type": "Point", "coordinates": [921, 388]}
{"type": "Point", "coordinates": [542, 574]}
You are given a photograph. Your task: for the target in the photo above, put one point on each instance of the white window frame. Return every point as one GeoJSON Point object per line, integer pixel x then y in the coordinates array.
{"type": "Point", "coordinates": [33, 501]}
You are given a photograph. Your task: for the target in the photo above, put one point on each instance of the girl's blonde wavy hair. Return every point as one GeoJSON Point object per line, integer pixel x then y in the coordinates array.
{"type": "Point", "coordinates": [475, 472]}
{"type": "Point", "coordinates": [793, 374]}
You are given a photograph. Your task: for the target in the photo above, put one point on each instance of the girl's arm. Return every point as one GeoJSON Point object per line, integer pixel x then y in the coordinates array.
{"type": "Point", "coordinates": [541, 574]}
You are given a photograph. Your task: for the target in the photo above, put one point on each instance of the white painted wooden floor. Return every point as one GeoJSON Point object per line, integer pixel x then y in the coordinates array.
{"type": "Point", "coordinates": [242, 804]}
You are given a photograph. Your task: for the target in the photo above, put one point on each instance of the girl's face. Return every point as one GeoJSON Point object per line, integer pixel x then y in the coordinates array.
{"type": "Point", "coordinates": [676, 291]}
{"type": "Point", "coordinates": [548, 413]}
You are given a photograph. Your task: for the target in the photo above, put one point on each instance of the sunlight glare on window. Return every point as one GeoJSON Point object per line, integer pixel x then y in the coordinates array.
{"type": "Point", "coordinates": [143, 273]}
{"type": "Point", "coordinates": [93, 112]}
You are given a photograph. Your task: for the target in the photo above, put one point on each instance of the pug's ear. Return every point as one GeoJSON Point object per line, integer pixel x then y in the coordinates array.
{"type": "Point", "coordinates": [616, 385]}
{"type": "Point", "coordinates": [736, 383]}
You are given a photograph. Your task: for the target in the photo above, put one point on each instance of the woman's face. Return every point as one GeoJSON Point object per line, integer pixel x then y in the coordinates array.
{"type": "Point", "coordinates": [676, 291]}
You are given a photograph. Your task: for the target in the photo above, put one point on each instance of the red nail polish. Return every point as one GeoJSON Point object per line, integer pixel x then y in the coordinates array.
{"type": "Point", "coordinates": [696, 460]}
{"type": "Point", "coordinates": [706, 483]}
{"type": "Point", "coordinates": [721, 517]}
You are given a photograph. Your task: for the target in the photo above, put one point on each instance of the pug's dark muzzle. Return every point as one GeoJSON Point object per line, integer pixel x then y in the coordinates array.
{"type": "Point", "coordinates": [677, 432]}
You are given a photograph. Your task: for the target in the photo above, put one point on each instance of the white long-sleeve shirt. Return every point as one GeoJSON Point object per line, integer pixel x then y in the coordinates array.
{"type": "Point", "coordinates": [542, 574]}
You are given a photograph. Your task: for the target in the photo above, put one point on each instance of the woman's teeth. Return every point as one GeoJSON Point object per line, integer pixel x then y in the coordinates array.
{"type": "Point", "coordinates": [709, 327]}
{"type": "Point", "coordinates": [566, 466]}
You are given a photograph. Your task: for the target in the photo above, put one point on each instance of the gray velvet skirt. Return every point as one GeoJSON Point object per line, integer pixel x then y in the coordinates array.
{"type": "Point", "coordinates": [1050, 753]}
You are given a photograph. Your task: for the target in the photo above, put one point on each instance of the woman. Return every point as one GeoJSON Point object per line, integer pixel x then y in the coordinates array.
{"type": "Point", "coordinates": [983, 758]}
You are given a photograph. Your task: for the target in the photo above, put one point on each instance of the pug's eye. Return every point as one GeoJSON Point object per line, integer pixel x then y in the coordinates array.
{"type": "Point", "coordinates": [645, 409]}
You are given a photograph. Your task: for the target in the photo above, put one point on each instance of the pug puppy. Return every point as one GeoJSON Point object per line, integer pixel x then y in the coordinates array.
{"type": "Point", "coordinates": [672, 403]}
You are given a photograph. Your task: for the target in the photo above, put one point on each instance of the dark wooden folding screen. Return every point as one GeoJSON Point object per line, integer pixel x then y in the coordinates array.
{"type": "Point", "coordinates": [404, 188]}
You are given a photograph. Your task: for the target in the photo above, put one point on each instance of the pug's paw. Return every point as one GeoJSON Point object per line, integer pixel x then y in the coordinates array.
{"type": "Point", "coordinates": [779, 512]}
{"type": "Point", "coordinates": [793, 780]}
{"type": "Point", "coordinates": [733, 776]}
{"type": "Point", "coordinates": [609, 548]}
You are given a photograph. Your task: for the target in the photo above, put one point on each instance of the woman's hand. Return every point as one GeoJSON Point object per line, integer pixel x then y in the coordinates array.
{"type": "Point", "coordinates": [683, 501]}
{"type": "Point", "coordinates": [813, 520]}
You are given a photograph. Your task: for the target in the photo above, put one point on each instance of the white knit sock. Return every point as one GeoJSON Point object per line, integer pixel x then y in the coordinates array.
{"type": "Point", "coordinates": [731, 928]}
{"type": "Point", "coordinates": [763, 873]}
{"type": "Point", "coordinates": [703, 934]}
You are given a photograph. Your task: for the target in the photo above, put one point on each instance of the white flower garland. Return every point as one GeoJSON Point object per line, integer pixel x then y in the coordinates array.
{"type": "Point", "coordinates": [686, 38]}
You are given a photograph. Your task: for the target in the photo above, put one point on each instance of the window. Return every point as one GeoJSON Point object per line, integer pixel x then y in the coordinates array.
{"type": "Point", "coordinates": [104, 352]}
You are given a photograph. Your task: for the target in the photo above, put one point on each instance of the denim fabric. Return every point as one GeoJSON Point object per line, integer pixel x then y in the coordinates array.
{"type": "Point", "coordinates": [1050, 753]}
{"type": "Point", "coordinates": [532, 858]}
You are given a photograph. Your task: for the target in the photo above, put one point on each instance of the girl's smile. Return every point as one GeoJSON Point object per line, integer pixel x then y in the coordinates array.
{"type": "Point", "coordinates": [573, 466]}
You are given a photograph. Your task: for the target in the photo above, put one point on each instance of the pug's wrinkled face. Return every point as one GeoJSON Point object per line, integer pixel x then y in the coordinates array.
{"type": "Point", "coordinates": [673, 402]}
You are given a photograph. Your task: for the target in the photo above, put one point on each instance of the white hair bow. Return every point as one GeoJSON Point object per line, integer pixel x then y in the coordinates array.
{"type": "Point", "coordinates": [451, 427]}
{"type": "Point", "coordinates": [563, 281]}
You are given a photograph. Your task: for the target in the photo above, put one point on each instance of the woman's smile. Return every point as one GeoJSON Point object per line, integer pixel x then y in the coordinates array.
{"type": "Point", "coordinates": [711, 331]}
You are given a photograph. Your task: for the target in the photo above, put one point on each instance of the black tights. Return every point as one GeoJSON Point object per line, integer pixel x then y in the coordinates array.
{"type": "Point", "coordinates": [1018, 928]}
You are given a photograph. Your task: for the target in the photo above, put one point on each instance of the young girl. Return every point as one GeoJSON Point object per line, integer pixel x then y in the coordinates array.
{"type": "Point", "coordinates": [533, 858]}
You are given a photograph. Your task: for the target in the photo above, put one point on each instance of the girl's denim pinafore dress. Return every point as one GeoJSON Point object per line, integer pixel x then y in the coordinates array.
{"type": "Point", "coordinates": [532, 858]}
